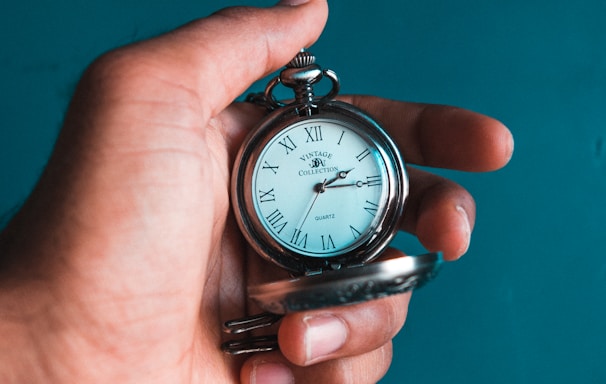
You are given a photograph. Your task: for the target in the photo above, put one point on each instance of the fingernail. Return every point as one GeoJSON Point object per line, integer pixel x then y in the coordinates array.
{"type": "Point", "coordinates": [292, 3]}
{"type": "Point", "coordinates": [324, 335]}
{"type": "Point", "coordinates": [510, 148]}
{"type": "Point", "coordinates": [268, 372]}
{"type": "Point", "coordinates": [466, 229]}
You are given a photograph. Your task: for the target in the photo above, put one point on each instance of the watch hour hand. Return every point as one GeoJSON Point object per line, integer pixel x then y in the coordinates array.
{"type": "Point", "coordinates": [341, 175]}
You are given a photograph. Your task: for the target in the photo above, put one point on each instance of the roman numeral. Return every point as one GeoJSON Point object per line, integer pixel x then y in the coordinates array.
{"type": "Point", "coordinates": [354, 232]}
{"type": "Point", "coordinates": [288, 144]}
{"type": "Point", "coordinates": [314, 133]}
{"type": "Point", "coordinates": [273, 168]}
{"type": "Point", "coordinates": [276, 220]}
{"type": "Point", "coordinates": [363, 155]}
{"type": "Point", "coordinates": [373, 181]}
{"type": "Point", "coordinates": [298, 239]}
{"type": "Point", "coordinates": [340, 138]}
{"type": "Point", "coordinates": [267, 196]}
{"type": "Point", "coordinates": [371, 207]}
{"type": "Point", "coordinates": [327, 243]}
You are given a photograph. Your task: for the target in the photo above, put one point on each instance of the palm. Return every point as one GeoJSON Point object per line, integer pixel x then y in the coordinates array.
{"type": "Point", "coordinates": [150, 263]}
{"type": "Point", "coordinates": [201, 280]}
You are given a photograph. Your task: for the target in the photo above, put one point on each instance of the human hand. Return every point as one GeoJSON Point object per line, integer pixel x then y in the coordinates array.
{"type": "Point", "coordinates": [124, 262]}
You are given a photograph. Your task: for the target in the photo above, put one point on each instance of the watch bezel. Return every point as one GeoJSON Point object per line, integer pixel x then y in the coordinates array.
{"type": "Point", "coordinates": [242, 195]}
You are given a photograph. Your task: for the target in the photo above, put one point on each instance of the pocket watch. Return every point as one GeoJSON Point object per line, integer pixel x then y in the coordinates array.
{"type": "Point", "coordinates": [318, 188]}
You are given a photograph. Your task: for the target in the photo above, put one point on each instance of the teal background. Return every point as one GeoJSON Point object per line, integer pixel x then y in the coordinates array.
{"type": "Point", "coordinates": [527, 303]}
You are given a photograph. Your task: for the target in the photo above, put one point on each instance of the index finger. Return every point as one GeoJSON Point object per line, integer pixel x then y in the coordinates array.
{"type": "Point", "coordinates": [441, 136]}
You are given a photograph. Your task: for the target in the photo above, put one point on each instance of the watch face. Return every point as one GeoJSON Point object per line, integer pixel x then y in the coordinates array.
{"type": "Point", "coordinates": [319, 187]}
{"type": "Point", "coordinates": [320, 191]}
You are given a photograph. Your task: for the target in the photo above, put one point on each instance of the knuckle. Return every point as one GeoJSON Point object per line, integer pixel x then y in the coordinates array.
{"type": "Point", "coordinates": [109, 65]}
{"type": "Point", "coordinates": [364, 368]}
{"type": "Point", "coordinates": [237, 14]}
{"type": "Point", "coordinates": [117, 71]}
{"type": "Point", "coordinates": [383, 358]}
{"type": "Point", "coordinates": [387, 317]}
{"type": "Point", "coordinates": [102, 77]}
{"type": "Point", "coordinates": [368, 368]}
{"type": "Point", "coordinates": [396, 311]}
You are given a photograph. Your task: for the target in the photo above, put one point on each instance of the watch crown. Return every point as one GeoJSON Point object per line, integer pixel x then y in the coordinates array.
{"type": "Point", "coordinates": [303, 59]}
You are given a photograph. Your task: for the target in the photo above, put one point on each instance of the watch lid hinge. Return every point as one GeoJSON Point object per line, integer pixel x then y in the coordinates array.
{"type": "Point", "coordinates": [314, 272]}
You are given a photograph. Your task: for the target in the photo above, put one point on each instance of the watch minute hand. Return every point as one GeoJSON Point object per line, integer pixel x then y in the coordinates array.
{"type": "Point", "coordinates": [358, 184]}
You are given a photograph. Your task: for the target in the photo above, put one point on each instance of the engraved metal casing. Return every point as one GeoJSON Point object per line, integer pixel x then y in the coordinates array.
{"type": "Point", "coordinates": [347, 286]}
{"type": "Point", "coordinates": [242, 195]}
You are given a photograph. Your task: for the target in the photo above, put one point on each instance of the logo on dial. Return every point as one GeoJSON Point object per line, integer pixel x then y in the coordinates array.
{"type": "Point", "coordinates": [317, 163]}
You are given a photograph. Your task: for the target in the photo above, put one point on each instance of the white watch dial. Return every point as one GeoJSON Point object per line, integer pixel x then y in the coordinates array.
{"type": "Point", "coordinates": [320, 187]}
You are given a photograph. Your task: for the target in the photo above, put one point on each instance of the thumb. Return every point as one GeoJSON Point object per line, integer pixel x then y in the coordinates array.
{"type": "Point", "coordinates": [220, 56]}
{"type": "Point", "coordinates": [263, 41]}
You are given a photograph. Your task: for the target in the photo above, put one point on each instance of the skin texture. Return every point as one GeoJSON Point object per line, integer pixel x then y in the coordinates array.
{"type": "Point", "coordinates": [125, 260]}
